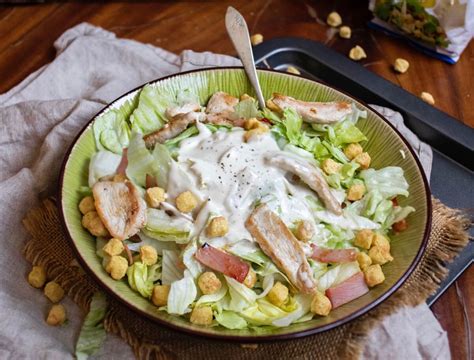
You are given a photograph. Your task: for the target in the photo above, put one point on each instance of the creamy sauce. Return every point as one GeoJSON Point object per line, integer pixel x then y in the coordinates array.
{"type": "Point", "coordinates": [229, 175]}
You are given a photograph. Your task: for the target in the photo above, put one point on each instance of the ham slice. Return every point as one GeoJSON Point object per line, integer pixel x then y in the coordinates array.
{"type": "Point", "coordinates": [223, 262]}
{"type": "Point", "coordinates": [333, 255]}
{"type": "Point", "coordinates": [150, 181]}
{"type": "Point", "coordinates": [123, 163]}
{"type": "Point", "coordinates": [120, 207]}
{"type": "Point", "coordinates": [348, 290]}
{"type": "Point", "coordinates": [279, 243]}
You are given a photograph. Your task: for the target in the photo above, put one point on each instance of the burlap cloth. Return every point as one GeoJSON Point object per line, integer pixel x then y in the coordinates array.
{"type": "Point", "coordinates": [39, 119]}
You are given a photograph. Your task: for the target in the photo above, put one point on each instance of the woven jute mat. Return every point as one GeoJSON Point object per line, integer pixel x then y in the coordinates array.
{"type": "Point", "coordinates": [49, 247]}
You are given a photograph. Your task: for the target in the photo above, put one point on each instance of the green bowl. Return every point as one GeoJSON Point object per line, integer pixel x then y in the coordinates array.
{"type": "Point", "coordinates": [384, 146]}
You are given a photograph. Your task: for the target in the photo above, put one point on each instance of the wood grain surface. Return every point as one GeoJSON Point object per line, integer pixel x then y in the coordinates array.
{"type": "Point", "coordinates": [28, 32]}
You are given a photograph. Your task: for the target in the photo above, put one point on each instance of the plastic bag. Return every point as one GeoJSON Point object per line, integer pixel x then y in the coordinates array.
{"type": "Point", "coordinates": [440, 28]}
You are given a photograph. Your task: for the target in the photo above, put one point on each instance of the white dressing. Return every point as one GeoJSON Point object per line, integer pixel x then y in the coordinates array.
{"type": "Point", "coordinates": [229, 175]}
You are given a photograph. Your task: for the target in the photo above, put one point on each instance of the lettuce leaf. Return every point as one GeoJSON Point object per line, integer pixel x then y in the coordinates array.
{"type": "Point", "coordinates": [190, 131]}
{"type": "Point", "coordinates": [154, 271]}
{"type": "Point", "coordinates": [337, 274]}
{"type": "Point", "coordinates": [246, 109]}
{"type": "Point", "coordinates": [241, 296]}
{"type": "Point", "coordinates": [249, 251]}
{"type": "Point", "coordinates": [182, 294]}
{"type": "Point", "coordinates": [263, 312]}
{"type": "Point", "coordinates": [163, 163]}
{"type": "Point", "coordinates": [389, 181]}
{"type": "Point", "coordinates": [347, 220]}
{"type": "Point", "coordinates": [271, 116]}
{"type": "Point", "coordinates": [170, 270]}
{"type": "Point", "coordinates": [140, 161]}
{"type": "Point", "coordinates": [194, 266]}
{"type": "Point", "coordinates": [230, 320]}
{"type": "Point", "coordinates": [103, 163]}
{"type": "Point", "coordinates": [319, 268]}
{"type": "Point", "coordinates": [346, 132]}
{"type": "Point", "coordinates": [138, 279]}
{"type": "Point", "coordinates": [158, 245]}
{"type": "Point", "coordinates": [162, 227]}
{"type": "Point", "coordinates": [111, 130]}
{"type": "Point", "coordinates": [292, 125]}
{"type": "Point", "coordinates": [213, 298]}
{"type": "Point", "coordinates": [398, 213]}
{"type": "Point", "coordinates": [92, 334]}
{"type": "Point", "coordinates": [303, 305]}
{"type": "Point", "coordinates": [99, 246]}
{"type": "Point", "coordinates": [149, 115]}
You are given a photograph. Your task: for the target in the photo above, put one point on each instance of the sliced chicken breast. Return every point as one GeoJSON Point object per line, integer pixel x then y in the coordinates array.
{"type": "Point", "coordinates": [279, 243]}
{"type": "Point", "coordinates": [175, 127]}
{"type": "Point", "coordinates": [184, 109]}
{"type": "Point", "coordinates": [220, 110]}
{"type": "Point", "coordinates": [221, 102]}
{"type": "Point", "coordinates": [120, 207]}
{"type": "Point", "coordinates": [310, 175]}
{"type": "Point", "coordinates": [314, 112]}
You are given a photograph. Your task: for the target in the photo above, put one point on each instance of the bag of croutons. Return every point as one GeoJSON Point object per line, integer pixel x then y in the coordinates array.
{"type": "Point", "coordinates": [440, 28]}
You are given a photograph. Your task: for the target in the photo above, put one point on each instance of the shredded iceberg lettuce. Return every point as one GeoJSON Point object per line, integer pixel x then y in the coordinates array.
{"type": "Point", "coordinates": [102, 163]}
{"type": "Point", "coordinates": [303, 305]}
{"type": "Point", "coordinates": [146, 240]}
{"type": "Point", "coordinates": [150, 114]}
{"type": "Point", "coordinates": [140, 161]}
{"type": "Point", "coordinates": [388, 181]}
{"type": "Point", "coordinates": [171, 272]}
{"type": "Point", "coordinates": [138, 279]}
{"type": "Point", "coordinates": [230, 320]}
{"type": "Point", "coordinates": [246, 109]}
{"type": "Point", "coordinates": [111, 129]}
{"type": "Point", "coordinates": [347, 220]}
{"type": "Point", "coordinates": [161, 226]}
{"type": "Point", "coordinates": [337, 274]}
{"type": "Point", "coordinates": [182, 294]}
{"type": "Point", "coordinates": [241, 296]}
{"type": "Point", "coordinates": [213, 298]}
{"type": "Point", "coordinates": [194, 266]}
{"type": "Point", "coordinates": [92, 334]}
{"type": "Point", "coordinates": [163, 160]}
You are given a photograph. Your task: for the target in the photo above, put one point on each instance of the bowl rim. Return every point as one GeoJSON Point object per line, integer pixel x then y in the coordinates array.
{"type": "Point", "coordinates": [244, 338]}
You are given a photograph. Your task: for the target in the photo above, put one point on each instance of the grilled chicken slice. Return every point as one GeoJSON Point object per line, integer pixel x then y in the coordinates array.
{"type": "Point", "coordinates": [120, 207]}
{"type": "Point", "coordinates": [175, 127]}
{"type": "Point", "coordinates": [279, 243]}
{"type": "Point", "coordinates": [220, 103]}
{"type": "Point", "coordinates": [310, 175]}
{"type": "Point", "coordinates": [184, 109]}
{"type": "Point", "coordinates": [220, 110]}
{"type": "Point", "coordinates": [224, 119]}
{"type": "Point", "coordinates": [314, 112]}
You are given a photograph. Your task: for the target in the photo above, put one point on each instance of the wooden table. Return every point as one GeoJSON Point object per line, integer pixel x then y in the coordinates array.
{"type": "Point", "coordinates": [27, 34]}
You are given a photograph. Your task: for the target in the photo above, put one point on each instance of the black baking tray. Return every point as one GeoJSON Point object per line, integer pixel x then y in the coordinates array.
{"type": "Point", "coordinates": [452, 177]}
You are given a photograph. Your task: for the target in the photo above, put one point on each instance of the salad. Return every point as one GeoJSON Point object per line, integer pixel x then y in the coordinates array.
{"type": "Point", "coordinates": [231, 215]}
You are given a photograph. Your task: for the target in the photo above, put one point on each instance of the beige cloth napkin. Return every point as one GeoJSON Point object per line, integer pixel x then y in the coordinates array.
{"type": "Point", "coordinates": [38, 120]}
